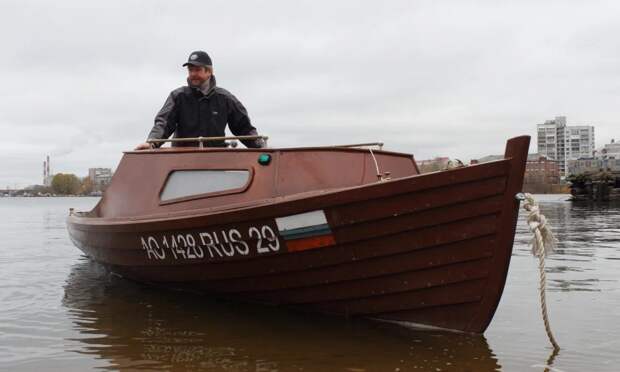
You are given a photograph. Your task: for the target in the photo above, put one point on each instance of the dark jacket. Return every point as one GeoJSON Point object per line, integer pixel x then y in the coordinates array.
{"type": "Point", "coordinates": [204, 111]}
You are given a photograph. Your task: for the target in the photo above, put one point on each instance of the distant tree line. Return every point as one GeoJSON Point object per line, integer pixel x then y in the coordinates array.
{"type": "Point", "coordinates": [583, 178]}
{"type": "Point", "coordinates": [70, 184]}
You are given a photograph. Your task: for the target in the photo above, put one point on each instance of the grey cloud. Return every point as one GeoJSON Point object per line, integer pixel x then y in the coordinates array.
{"type": "Point", "coordinates": [83, 81]}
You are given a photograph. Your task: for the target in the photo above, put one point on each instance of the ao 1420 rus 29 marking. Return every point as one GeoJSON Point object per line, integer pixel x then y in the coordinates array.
{"type": "Point", "coordinates": [212, 245]}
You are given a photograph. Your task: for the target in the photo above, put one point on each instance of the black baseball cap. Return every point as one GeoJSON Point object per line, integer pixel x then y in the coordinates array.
{"type": "Point", "coordinates": [198, 58]}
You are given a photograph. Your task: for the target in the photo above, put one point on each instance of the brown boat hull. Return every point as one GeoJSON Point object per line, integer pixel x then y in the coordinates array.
{"type": "Point", "coordinates": [432, 249]}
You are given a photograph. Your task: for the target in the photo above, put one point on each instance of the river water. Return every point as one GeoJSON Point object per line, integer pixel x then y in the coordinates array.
{"type": "Point", "coordinates": [59, 311]}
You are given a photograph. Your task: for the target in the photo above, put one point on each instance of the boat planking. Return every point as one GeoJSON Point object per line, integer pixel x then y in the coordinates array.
{"type": "Point", "coordinates": [322, 229]}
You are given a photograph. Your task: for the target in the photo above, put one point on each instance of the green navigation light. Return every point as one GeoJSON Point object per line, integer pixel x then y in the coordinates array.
{"type": "Point", "coordinates": [264, 159]}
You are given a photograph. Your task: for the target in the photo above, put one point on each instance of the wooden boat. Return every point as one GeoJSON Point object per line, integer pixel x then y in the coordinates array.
{"type": "Point", "coordinates": [349, 231]}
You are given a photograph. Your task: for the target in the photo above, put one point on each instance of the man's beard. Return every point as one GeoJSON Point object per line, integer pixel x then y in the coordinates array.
{"type": "Point", "coordinates": [196, 83]}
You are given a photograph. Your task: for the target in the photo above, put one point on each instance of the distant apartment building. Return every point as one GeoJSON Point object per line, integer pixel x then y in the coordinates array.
{"type": "Point", "coordinates": [542, 175]}
{"type": "Point", "coordinates": [592, 166]}
{"type": "Point", "coordinates": [605, 159]}
{"type": "Point", "coordinates": [609, 151]}
{"type": "Point", "coordinates": [562, 143]}
{"type": "Point", "coordinates": [100, 177]}
{"type": "Point", "coordinates": [539, 170]}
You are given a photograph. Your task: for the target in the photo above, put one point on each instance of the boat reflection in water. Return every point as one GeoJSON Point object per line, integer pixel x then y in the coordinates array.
{"type": "Point", "coordinates": [130, 326]}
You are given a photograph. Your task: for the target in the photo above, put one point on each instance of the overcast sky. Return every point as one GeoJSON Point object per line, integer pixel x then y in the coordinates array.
{"type": "Point", "coordinates": [82, 80]}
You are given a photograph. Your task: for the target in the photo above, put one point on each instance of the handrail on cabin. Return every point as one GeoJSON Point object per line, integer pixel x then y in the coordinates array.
{"type": "Point", "coordinates": [200, 140]}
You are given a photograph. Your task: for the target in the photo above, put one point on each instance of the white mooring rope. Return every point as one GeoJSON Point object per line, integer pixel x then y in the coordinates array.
{"type": "Point", "coordinates": [543, 243]}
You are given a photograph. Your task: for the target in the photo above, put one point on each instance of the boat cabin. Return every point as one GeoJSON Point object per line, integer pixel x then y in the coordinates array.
{"type": "Point", "coordinates": [168, 180]}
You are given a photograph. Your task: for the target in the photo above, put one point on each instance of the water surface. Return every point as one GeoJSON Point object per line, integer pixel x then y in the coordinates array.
{"type": "Point", "coordinates": [60, 311]}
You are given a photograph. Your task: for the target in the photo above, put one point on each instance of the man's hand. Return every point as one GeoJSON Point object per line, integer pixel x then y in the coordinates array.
{"type": "Point", "coordinates": [144, 146]}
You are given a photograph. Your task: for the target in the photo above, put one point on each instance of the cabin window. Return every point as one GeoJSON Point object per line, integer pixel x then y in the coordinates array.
{"type": "Point", "coordinates": [188, 183]}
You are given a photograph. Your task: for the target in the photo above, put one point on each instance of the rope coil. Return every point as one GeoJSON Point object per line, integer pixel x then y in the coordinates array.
{"type": "Point", "coordinates": [543, 243]}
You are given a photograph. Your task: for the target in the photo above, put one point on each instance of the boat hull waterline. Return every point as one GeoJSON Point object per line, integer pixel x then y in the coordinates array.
{"type": "Point", "coordinates": [431, 249]}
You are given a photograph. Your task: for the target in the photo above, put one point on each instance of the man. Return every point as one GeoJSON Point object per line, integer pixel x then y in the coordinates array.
{"type": "Point", "coordinates": [201, 109]}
